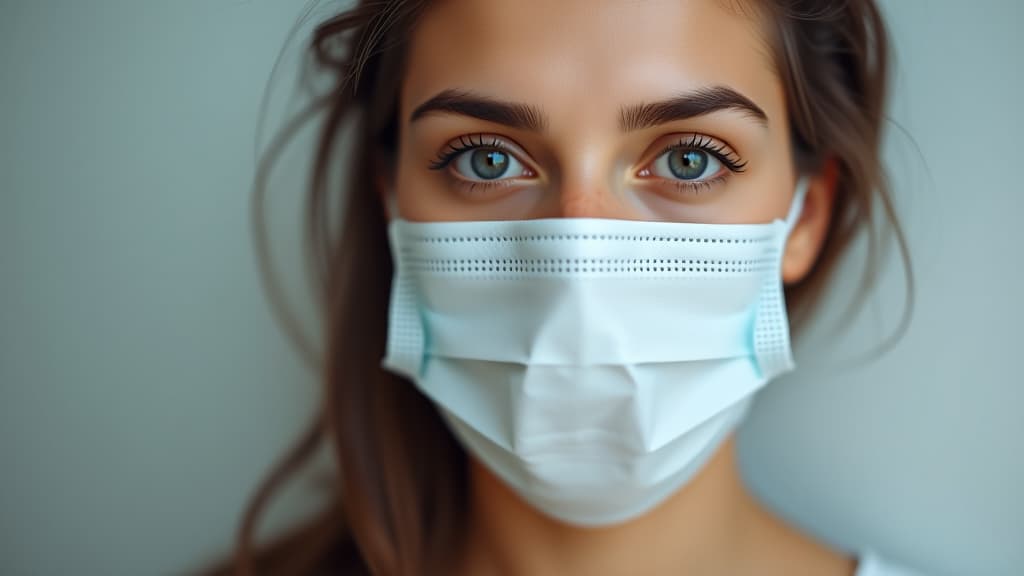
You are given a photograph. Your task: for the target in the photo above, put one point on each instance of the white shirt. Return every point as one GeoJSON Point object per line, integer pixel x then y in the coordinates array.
{"type": "Point", "coordinates": [871, 564]}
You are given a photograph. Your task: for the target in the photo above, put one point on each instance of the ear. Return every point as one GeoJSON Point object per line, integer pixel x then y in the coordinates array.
{"type": "Point", "coordinates": [808, 236]}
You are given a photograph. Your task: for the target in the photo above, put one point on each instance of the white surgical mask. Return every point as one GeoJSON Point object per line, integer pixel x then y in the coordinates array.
{"type": "Point", "coordinates": [594, 365]}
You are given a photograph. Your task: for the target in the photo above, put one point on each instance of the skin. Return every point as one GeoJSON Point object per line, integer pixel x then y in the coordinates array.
{"type": "Point", "coordinates": [577, 63]}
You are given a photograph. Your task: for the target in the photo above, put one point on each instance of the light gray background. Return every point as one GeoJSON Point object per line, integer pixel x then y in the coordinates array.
{"type": "Point", "coordinates": [144, 386]}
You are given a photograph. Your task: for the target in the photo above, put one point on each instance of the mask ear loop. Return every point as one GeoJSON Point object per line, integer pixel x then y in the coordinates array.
{"type": "Point", "coordinates": [775, 357]}
{"type": "Point", "coordinates": [797, 207]}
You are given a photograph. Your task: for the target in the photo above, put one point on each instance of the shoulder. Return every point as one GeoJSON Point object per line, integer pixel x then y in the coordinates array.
{"type": "Point", "coordinates": [872, 564]}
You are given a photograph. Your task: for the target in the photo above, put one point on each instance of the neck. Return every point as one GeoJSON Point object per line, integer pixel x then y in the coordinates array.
{"type": "Point", "coordinates": [711, 526]}
{"type": "Point", "coordinates": [695, 531]}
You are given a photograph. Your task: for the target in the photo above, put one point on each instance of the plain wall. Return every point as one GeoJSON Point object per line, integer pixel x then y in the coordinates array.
{"type": "Point", "coordinates": [144, 385]}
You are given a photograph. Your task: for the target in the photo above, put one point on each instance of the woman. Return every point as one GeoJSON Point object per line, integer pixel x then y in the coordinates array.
{"type": "Point", "coordinates": [559, 278]}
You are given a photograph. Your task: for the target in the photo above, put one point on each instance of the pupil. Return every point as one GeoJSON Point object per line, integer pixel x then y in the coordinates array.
{"type": "Point", "coordinates": [689, 164]}
{"type": "Point", "coordinates": [489, 164]}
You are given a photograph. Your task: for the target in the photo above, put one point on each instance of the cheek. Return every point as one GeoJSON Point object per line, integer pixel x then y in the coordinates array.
{"type": "Point", "coordinates": [426, 195]}
{"type": "Point", "coordinates": [413, 190]}
{"type": "Point", "coordinates": [762, 193]}
{"type": "Point", "coordinates": [771, 195]}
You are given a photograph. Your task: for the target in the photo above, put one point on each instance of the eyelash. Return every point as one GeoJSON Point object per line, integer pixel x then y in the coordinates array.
{"type": "Point", "coordinates": [464, 143]}
{"type": "Point", "coordinates": [723, 153]}
{"type": "Point", "coordinates": [720, 151]}
{"type": "Point", "coordinates": [727, 156]}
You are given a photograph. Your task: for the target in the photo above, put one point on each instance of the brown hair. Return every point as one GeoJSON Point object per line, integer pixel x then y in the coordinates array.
{"type": "Point", "coordinates": [398, 503]}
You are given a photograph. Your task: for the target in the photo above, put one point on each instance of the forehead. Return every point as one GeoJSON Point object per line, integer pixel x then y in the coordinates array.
{"type": "Point", "coordinates": [583, 58]}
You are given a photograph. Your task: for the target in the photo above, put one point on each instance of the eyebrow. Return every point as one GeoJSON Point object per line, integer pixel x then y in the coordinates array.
{"type": "Point", "coordinates": [632, 117]}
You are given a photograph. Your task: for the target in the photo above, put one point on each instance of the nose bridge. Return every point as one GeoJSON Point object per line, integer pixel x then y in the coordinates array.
{"type": "Point", "coordinates": [588, 174]}
{"type": "Point", "coordinates": [586, 189]}
{"type": "Point", "coordinates": [587, 201]}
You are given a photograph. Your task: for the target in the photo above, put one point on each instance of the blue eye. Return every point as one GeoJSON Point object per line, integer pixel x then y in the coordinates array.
{"type": "Point", "coordinates": [487, 164]}
{"type": "Point", "coordinates": [477, 160]}
{"type": "Point", "coordinates": [687, 164]}
{"type": "Point", "coordinates": [695, 161]}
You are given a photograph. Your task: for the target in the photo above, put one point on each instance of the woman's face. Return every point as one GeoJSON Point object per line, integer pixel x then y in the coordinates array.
{"type": "Point", "coordinates": [647, 110]}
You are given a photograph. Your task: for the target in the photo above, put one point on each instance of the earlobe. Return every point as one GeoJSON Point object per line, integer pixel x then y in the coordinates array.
{"type": "Point", "coordinates": [808, 236]}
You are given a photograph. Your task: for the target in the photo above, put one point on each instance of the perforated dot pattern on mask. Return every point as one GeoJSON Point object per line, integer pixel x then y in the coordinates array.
{"type": "Point", "coordinates": [771, 329]}
{"type": "Point", "coordinates": [600, 237]}
{"type": "Point", "coordinates": [589, 266]}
